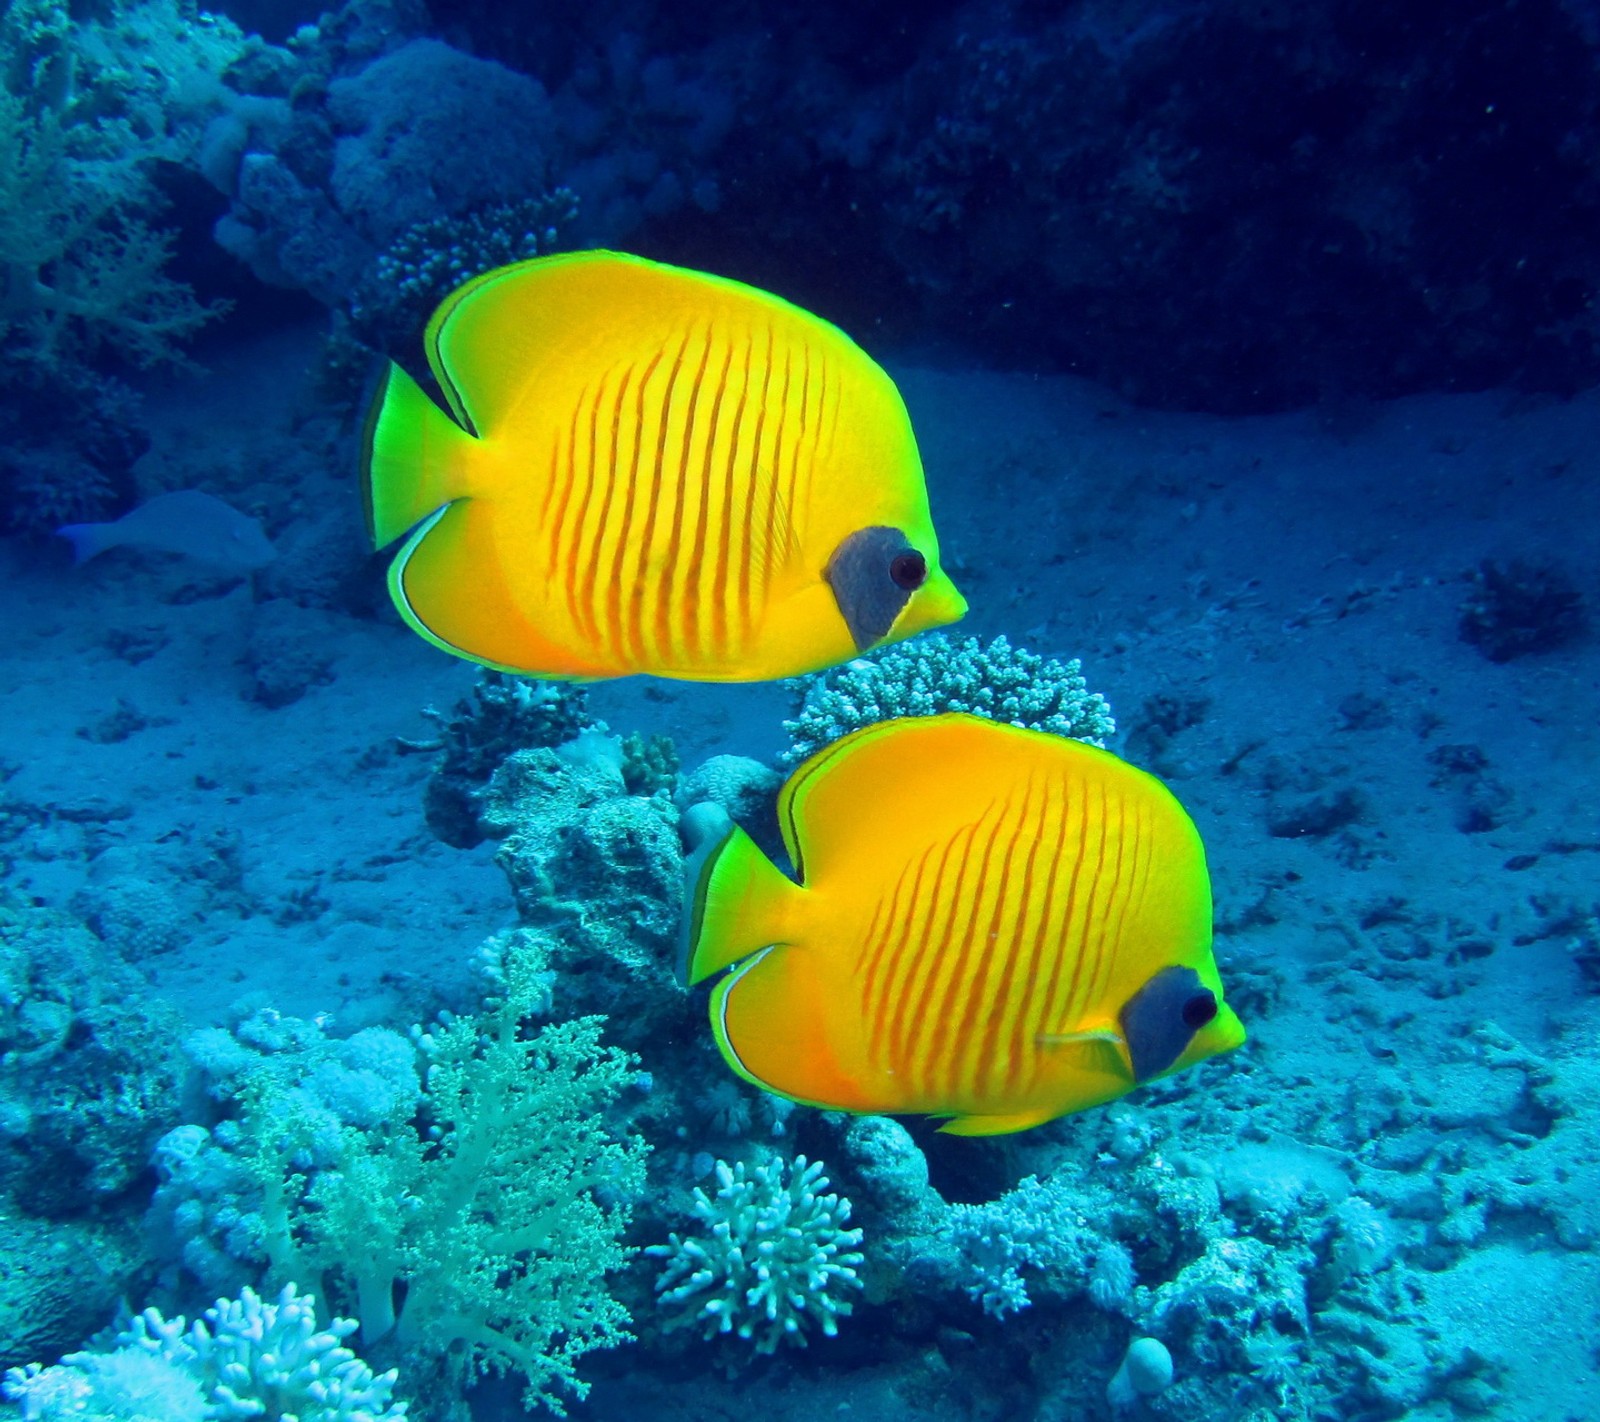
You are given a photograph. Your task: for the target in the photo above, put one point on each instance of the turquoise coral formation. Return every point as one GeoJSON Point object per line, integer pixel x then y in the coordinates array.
{"type": "Point", "coordinates": [773, 1256]}
{"type": "Point", "coordinates": [472, 1220]}
{"type": "Point", "coordinates": [89, 1075]}
{"type": "Point", "coordinates": [503, 714]}
{"type": "Point", "coordinates": [86, 110]}
{"type": "Point", "coordinates": [597, 873]}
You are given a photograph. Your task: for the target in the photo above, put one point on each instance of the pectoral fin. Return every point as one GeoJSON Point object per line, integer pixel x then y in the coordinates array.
{"type": "Point", "coordinates": [1100, 1050]}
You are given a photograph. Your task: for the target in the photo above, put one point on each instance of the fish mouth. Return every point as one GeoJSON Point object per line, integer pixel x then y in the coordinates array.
{"type": "Point", "coordinates": [938, 603]}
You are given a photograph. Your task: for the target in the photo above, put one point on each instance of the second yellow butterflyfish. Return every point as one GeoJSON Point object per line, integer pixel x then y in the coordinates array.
{"type": "Point", "coordinates": [995, 925]}
{"type": "Point", "coordinates": [650, 470]}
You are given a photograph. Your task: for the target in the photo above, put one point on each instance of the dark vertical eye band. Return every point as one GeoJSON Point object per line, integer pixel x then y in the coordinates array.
{"type": "Point", "coordinates": [1160, 1020]}
{"type": "Point", "coordinates": [873, 574]}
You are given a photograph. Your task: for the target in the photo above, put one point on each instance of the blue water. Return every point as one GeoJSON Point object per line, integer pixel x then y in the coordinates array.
{"type": "Point", "coordinates": [1251, 355]}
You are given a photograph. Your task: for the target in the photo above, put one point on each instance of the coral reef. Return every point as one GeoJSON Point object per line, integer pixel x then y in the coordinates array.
{"type": "Point", "coordinates": [745, 790]}
{"type": "Point", "coordinates": [412, 136]}
{"type": "Point", "coordinates": [932, 153]}
{"type": "Point", "coordinates": [1520, 607]}
{"type": "Point", "coordinates": [89, 1077]}
{"type": "Point", "coordinates": [92, 108]}
{"type": "Point", "coordinates": [1272, 150]}
{"type": "Point", "coordinates": [937, 673]}
{"type": "Point", "coordinates": [772, 1256]}
{"type": "Point", "coordinates": [597, 873]}
{"type": "Point", "coordinates": [471, 1218]}
{"type": "Point", "coordinates": [97, 104]}
{"type": "Point", "coordinates": [207, 1212]}
{"type": "Point", "coordinates": [247, 1358]}
{"type": "Point", "coordinates": [505, 714]}
{"type": "Point", "coordinates": [1145, 1371]}
{"type": "Point", "coordinates": [60, 1280]}
{"type": "Point", "coordinates": [649, 766]}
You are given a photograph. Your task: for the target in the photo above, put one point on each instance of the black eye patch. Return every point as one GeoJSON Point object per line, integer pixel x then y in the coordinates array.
{"type": "Point", "coordinates": [1160, 1020]}
{"type": "Point", "coordinates": [873, 574]}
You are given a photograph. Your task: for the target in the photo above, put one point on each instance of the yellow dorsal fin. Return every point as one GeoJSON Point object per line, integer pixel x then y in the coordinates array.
{"type": "Point", "coordinates": [487, 334]}
{"type": "Point", "coordinates": [898, 783]}
{"type": "Point", "coordinates": [494, 341]}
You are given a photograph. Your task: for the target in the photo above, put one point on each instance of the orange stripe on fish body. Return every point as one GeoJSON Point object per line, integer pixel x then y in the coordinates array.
{"type": "Point", "coordinates": [650, 470]}
{"type": "Point", "coordinates": [997, 925]}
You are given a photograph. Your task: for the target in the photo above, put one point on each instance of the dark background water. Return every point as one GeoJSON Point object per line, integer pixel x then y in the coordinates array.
{"type": "Point", "coordinates": [1227, 206]}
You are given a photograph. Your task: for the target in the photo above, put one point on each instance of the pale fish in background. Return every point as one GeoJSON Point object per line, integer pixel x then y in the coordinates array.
{"type": "Point", "coordinates": [197, 525]}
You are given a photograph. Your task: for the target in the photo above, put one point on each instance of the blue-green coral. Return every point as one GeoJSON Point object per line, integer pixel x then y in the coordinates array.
{"type": "Point", "coordinates": [89, 1078]}
{"type": "Point", "coordinates": [935, 674]}
{"type": "Point", "coordinates": [505, 714]}
{"type": "Point", "coordinates": [596, 871]}
{"type": "Point", "coordinates": [487, 1233]}
{"type": "Point", "coordinates": [472, 1225]}
{"type": "Point", "coordinates": [1039, 1228]}
{"type": "Point", "coordinates": [775, 1255]}
{"type": "Point", "coordinates": [86, 110]}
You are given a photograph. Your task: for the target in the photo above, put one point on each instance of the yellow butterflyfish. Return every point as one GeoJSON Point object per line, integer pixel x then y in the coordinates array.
{"type": "Point", "coordinates": [995, 925]}
{"type": "Point", "coordinates": [649, 470]}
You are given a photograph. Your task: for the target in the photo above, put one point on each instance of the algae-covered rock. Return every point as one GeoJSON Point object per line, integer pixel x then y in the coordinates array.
{"type": "Point", "coordinates": [598, 873]}
{"type": "Point", "coordinates": [60, 1283]}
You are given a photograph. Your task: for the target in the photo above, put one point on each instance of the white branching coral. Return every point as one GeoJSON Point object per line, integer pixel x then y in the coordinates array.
{"type": "Point", "coordinates": [775, 1255]}
{"type": "Point", "coordinates": [247, 1357]}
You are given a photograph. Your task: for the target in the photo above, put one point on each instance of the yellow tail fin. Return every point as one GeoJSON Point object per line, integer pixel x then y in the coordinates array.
{"type": "Point", "coordinates": [414, 458]}
{"type": "Point", "coordinates": [742, 903]}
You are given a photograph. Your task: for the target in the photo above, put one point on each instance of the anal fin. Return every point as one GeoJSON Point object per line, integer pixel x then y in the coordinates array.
{"type": "Point", "coordinates": [1002, 1125]}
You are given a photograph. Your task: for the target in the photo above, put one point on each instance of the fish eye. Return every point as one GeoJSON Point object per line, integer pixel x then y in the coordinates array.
{"type": "Point", "coordinates": [1199, 1009]}
{"type": "Point", "coordinates": [908, 569]}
